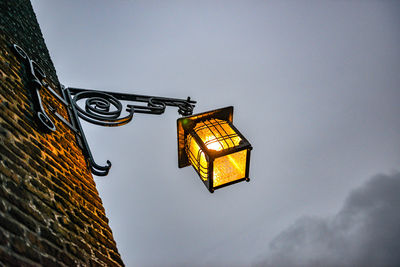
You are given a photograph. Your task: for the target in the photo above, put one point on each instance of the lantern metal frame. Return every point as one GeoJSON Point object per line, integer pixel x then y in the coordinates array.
{"type": "Point", "coordinates": [185, 126]}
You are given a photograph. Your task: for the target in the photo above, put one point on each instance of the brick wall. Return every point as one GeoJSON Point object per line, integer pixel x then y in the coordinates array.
{"type": "Point", "coordinates": [50, 211]}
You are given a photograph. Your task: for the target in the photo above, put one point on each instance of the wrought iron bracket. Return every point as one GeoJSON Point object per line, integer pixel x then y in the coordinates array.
{"type": "Point", "coordinates": [100, 108]}
{"type": "Point", "coordinates": [105, 109]}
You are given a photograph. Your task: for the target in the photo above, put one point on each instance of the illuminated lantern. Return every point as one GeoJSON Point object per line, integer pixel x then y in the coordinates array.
{"type": "Point", "coordinates": [214, 147]}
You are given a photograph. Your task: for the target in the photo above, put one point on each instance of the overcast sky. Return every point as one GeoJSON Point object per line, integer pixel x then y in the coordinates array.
{"type": "Point", "coordinates": [316, 90]}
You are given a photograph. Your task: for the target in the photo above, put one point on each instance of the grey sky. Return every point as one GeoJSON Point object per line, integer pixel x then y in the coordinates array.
{"type": "Point", "coordinates": [315, 85]}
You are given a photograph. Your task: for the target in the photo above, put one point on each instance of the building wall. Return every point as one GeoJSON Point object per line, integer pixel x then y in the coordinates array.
{"type": "Point", "coordinates": [50, 210]}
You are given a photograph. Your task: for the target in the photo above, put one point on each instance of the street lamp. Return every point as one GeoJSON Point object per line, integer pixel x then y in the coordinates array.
{"type": "Point", "coordinates": [208, 141]}
{"type": "Point", "coordinates": [218, 152]}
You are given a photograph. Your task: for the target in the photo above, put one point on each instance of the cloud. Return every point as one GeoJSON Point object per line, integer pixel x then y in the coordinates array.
{"type": "Point", "coordinates": [365, 232]}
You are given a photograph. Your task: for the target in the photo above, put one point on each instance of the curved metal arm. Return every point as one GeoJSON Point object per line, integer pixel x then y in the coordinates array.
{"type": "Point", "coordinates": [105, 109]}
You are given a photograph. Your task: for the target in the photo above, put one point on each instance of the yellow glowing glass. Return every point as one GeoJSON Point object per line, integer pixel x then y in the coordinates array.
{"type": "Point", "coordinates": [197, 157]}
{"type": "Point", "coordinates": [229, 168]}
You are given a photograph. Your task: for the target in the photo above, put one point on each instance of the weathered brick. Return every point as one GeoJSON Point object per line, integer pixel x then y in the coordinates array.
{"type": "Point", "coordinates": [44, 196]}
{"type": "Point", "coordinates": [115, 256]}
{"type": "Point", "coordinates": [27, 127]}
{"type": "Point", "coordinates": [58, 207]}
{"type": "Point", "coordinates": [25, 206]}
{"type": "Point", "coordinates": [16, 130]}
{"type": "Point", "coordinates": [7, 130]}
{"type": "Point", "coordinates": [48, 248]}
{"type": "Point", "coordinates": [61, 192]}
{"type": "Point", "coordinates": [107, 233]}
{"type": "Point", "coordinates": [67, 259]}
{"type": "Point", "coordinates": [33, 239]}
{"type": "Point", "coordinates": [23, 218]}
{"type": "Point", "coordinates": [9, 259]}
{"type": "Point", "coordinates": [76, 251]}
{"type": "Point", "coordinates": [34, 164]}
{"type": "Point", "coordinates": [82, 216]}
{"type": "Point", "coordinates": [10, 225]}
{"type": "Point", "coordinates": [97, 235]}
{"type": "Point", "coordinates": [49, 261]}
{"type": "Point", "coordinates": [32, 148]}
{"type": "Point", "coordinates": [64, 221]}
{"type": "Point", "coordinates": [16, 168]}
{"type": "Point", "coordinates": [43, 207]}
{"type": "Point", "coordinates": [94, 263]}
{"type": "Point", "coordinates": [3, 207]}
{"type": "Point", "coordinates": [61, 201]}
{"type": "Point", "coordinates": [15, 150]}
{"type": "Point", "coordinates": [104, 258]}
{"type": "Point", "coordinates": [38, 185]}
{"type": "Point", "coordinates": [48, 235]}
{"type": "Point", "coordinates": [76, 220]}
{"type": "Point", "coordinates": [19, 245]}
{"type": "Point", "coordinates": [6, 171]}
{"type": "Point", "coordinates": [3, 239]}
{"type": "Point", "coordinates": [9, 154]}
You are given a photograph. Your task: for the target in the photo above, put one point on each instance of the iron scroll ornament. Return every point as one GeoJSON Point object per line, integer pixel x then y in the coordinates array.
{"type": "Point", "coordinates": [101, 109]}
{"type": "Point", "coordinates": [105, 109]}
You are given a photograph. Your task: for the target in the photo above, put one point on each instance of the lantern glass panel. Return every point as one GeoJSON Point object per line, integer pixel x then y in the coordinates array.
{"type": "Point", "coordinates": [229, 168]}
{"type": "Point", "coordinates": [197, 157]}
